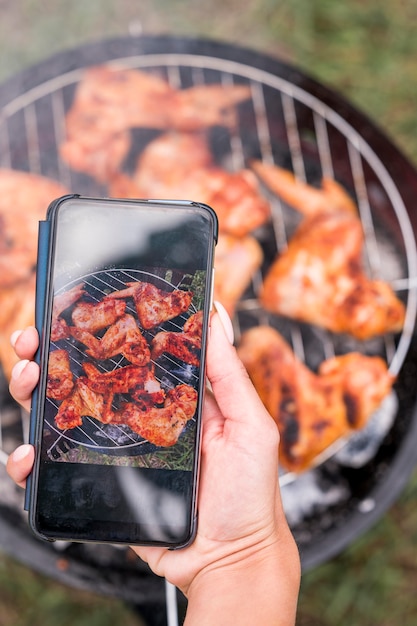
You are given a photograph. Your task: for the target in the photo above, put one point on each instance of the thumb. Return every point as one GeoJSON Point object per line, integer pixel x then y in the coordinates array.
{"type": "Point", "coordinates": [235, 395]}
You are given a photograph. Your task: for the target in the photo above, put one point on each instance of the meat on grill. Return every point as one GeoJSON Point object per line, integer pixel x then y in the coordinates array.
{"type": "Point", "coordinates": [312, 410]}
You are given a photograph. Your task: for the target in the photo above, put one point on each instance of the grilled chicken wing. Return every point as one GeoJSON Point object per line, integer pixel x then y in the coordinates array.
{"type": "Point", "coordinates": [236, 261]}
{"type": "Point", "coordinates": [60, 381]}
{"type": "Point", "coordinates": [311, 410]}
{"type": "Point", "coordinates": [109, 102]}
{"type": "Point", "coordinates": [319, 279]}
{"type": "Point", "coordinates": [162, 426]}
{"type": "Point", "coordinates": [305, 198]}
{"type": "Point", "coordinates": [185, 345]}
{"type": "Point", "coordinates": [178, 165]}
{"type": "Point", "coordinates": [24, 199]}
{"type": "Point", "coordinates": [93, 317]}
{"type": "Point", "coordinates": [155, 306]}
{"type": "Point", "coordinates": [59, 327]}
{"type": "Point", "coordinates": [122, 337]}
{"type": "Point", "coordinates": [139, 382]}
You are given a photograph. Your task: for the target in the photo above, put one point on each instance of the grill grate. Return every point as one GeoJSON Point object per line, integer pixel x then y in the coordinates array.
{"type": "Point", "coordinates": [283, 123]}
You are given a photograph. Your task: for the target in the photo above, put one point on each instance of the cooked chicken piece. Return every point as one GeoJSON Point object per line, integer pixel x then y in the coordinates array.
{"type": "Point", "coordinates": [70, 411]}
{"type": "Point", "coordinates": [155, 306]}
{"type": "Point", "coordinates": [62, 301]}
{"type": "Point", "coordinates": [319, 279]}
{"type": "Point", "coordinates": [123, 337]}
{"type": "Point", "coordinates": [161, 426]}
{"type": "Point", "coordinates": [98, 315]}
{"type": "Point", "coordinates": [305, 198]}
{"type": "Point", "coordinates": [236, 261]}
{"type": "Point", "coordinates": [185, 347]}
{"type": "Point", "coordinates": [140, 382]}
{"type": "Point", "coordinates": [311, 410]}
{"type": "Point", "coordinates": [178, 166]}
{"type": "Point", "coordinates": [109, 101]}
{"type": "Point", "coordinates": [24, 199]}
{"type": "Point", "coordinates": [194, 325]}
{"type": "Point", "coordinates": [83, 402]}
{"type": "Point", "coordinates": [60, 379]}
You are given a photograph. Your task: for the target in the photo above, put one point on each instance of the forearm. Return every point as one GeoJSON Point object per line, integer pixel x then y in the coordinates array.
{"type": "Point", "coordinates": [260, 590]}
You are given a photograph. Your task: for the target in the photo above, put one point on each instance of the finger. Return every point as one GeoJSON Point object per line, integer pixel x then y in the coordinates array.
{"type": "Point", "coordinates": [25, 342]}
{"type": "Point", "coordinates": [20, 463]}
{"type": "Point", "coordinates": [23, 380]}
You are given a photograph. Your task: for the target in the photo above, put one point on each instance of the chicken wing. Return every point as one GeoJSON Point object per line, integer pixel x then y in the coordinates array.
{"type": "Point", "coordinates": [305, 198]}
{"type": "Point", "coordinates": [139, 382]}
{"type": "Point", "coordinates": [122, 337]}
{"type": "Point", "coordinates": [93, 317]}
{"type": "Point", "coordinates": [178, 165]}
{"type": "Point", "coordinates": [312, 410]}
{"type": "Point", "coordinates": [60, 381]}
{"type": "Point", "coordinates": [24, 199]}
{"type": "Point", "coordinates": [162, 426]}
{"type": "Point", "coordinates": [319, 279]}
{"type": "Point", "coordinates": [62, 301]}
{"type": "Point", "coordinates": [236, 261]}
{"type": "Point", "coordinates": [155, 306]}
{"type": "Point", "coordinates": [110, 101]}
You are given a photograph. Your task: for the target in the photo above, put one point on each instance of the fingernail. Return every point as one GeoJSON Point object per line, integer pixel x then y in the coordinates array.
{"type": "Point", "coordinates": [21, 452]}
{"type": "Point", "coordinates": [14, 337]}
{"type": "Point", "coordinates": [18, 368]}
{"type": "Point", "coordinates": [225, 320]}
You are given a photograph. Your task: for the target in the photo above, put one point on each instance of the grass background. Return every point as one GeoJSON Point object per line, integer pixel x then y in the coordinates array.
{"type": "Point", "coordinates": [368, 52]}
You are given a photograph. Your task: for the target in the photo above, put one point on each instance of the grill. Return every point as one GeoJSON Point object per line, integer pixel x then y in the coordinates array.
{"type": "Point", "coordinates": [303, 126]}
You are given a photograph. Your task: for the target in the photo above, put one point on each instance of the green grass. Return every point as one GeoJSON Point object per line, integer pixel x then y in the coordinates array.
{"type": "Point", "coordinates": [368, 52]}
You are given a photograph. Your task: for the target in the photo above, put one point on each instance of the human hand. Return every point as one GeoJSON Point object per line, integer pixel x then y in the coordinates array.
{"type": "Point", "coordinates": [242, 534]}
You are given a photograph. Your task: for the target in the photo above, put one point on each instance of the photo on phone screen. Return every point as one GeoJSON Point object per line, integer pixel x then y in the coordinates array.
{"type": "Point", "coordinates": [123, 374]}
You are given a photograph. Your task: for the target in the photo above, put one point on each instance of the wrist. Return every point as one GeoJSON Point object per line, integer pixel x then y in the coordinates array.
{"type": "Point", "coordinates": [259, 584]}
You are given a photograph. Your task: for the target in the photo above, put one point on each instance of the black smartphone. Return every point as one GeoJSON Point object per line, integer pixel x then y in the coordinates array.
{"type": "Point", "coordinates": [122, 307]}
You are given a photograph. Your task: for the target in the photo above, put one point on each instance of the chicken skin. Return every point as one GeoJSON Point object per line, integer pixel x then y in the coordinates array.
{"type": "Point", "coordinates": [60, 378]}
{"type": "Point", "coordinates": [185, 345]}
{"type": "Point", "coordinates": [162, 426]}
{"type": "Point", "coordinates": [109, 102]}
{"type": "Point", "coordinates": [62, 301]}
{"type": "Point", "coordinates": [178, 165]}
{"type": "Point", "coordinates": [93, 317]}
{"type": "Point", "coordinates": [312, 410]}
{"type": "Point", "coordinates": [123, 337]}
{"type": "Point", "coordinates": [319, 279]}
{"type": "Point", "coordinates": [155, 306]}
{"type": "Point", "coordinates": [236, 260]}
{"type": "Point", "coordinates": [306, 199]}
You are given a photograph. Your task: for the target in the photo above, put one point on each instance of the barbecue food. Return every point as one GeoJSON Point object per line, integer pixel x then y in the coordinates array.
{"type": "Point", "coordinates": [305, 198]}
{"type": "Point", "coordinates": [236, 261]}
{"type": "Point", "coordinates": [122, 337]}
{"type": "Point", "coordinates": [312, 410]}
{"type": "Point", "coordinates": [94, 316]}
{"type": "Point", "coordinates": [17, 310]}
{"type": "Point", "coordinates": [185, 347]}
{"type": "Point", "coordinates": [319, 279]}
{"type": "Point", "coordinates": [177, 165]}
{"type": "Point", "coordinates": [62, 301]}
{"type": "Point", "coordinates": [155, 306]}
{"type": "Point", "coordinates": [60, 379]}
{"type": "Point", "coordinates": [162, 426]}
{"type": "Point", "coordinates": [109, 102]}
{"type": "Point", "coordinates": [139, 382]}
{"type": "Point", "coordinates": [24, 199]}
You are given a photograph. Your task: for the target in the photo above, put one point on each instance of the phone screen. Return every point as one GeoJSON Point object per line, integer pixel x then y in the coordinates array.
{"type": "Point", "coordinates": [122, 370]}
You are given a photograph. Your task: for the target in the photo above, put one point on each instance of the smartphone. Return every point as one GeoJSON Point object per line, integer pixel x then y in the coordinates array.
{"type": "Point", "coordinates": [123, 297]}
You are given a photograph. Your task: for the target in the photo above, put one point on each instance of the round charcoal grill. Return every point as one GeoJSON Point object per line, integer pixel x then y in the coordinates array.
{"type": "Point", "coordinates": [295, 122]}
